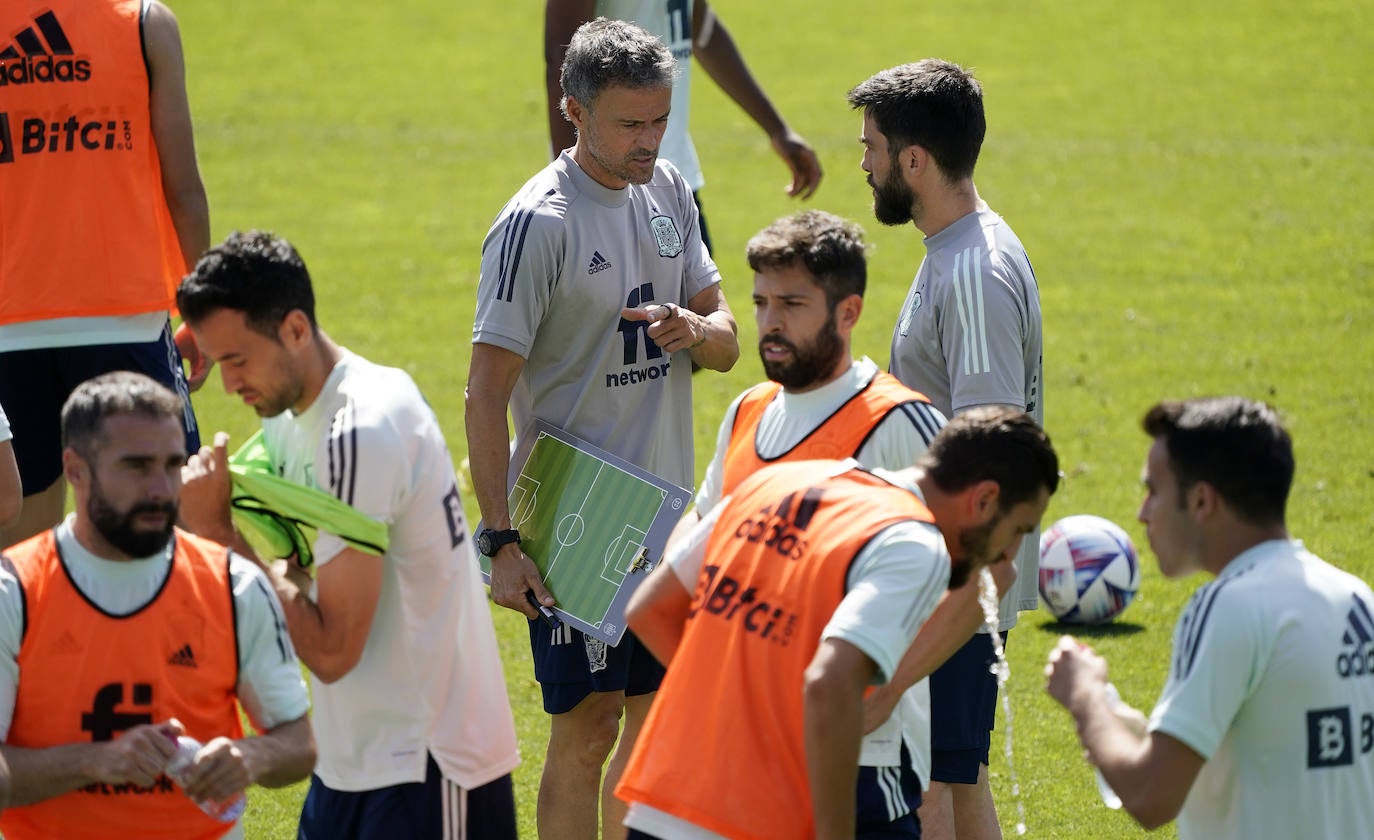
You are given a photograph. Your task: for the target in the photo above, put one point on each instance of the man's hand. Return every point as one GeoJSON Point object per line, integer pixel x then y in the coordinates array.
{"type": "Point", "coordinates": [206, 491]}
{"type": "Point", "coordinates": [672, 327]}
{"type": "Point", "coordinates": [220, 771]}
{"type": "Point", "coordinates": [137, 757]}
{"type": "Point", "coordinates": [512, 575]}
{"type": "Point", "coordinates": [1075, 675]}
{"type": "Point", "coordinates": [802, 160]}
{"type": "Point", "coordinates": [879, 704]}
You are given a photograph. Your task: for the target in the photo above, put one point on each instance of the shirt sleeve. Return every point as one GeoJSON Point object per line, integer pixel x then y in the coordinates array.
{"type": "Point", "coordinates": [902, 436]}
{"type": "Point", "coordinates": [708, 496]}
{"type": "Point", "coordinates": [686, 556]}
{"type": "Point", "coordinates": [364, 462]}
{"type": "Point", "coordinates": [270, 689]}
{"type": "Point", "coordinates": [11, 634]}
{"type": "Point", "coordinates": [1221, 651]}
{"type": "Point", "coordinates": [894, 585]}
{"type": "Point", "coordinates": [521, 260]}
{"type": "Point", "coordinates": [983, 331]}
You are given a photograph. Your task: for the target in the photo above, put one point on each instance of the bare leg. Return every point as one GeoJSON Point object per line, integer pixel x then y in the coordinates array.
{"type": "Point", "coordinates": [569, 789]}
{"type": "Point", "coordinates": [612, 809]}
{"type": "Point", "coordinates": [41, 511]}
{"type": "Point", "coordinates": [937, 811]}
{"type": "Point", "coordinates": [975, 814]}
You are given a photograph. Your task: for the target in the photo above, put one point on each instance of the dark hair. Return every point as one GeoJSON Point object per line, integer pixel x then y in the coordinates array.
{"type": "Point", "coordinates": [1238, 446]}
{"type": "Point", "coordinates": [121, 392]}
{"type": "Point", "coordinates": [830, 248]}
{"type": "Point", "coordinates": [612, 52]}
{"type": "Point", "coordinates": [997, 443]}
{"type": "Point", "coordinates": [934, 104]}
{"type": "Point", "coordinates": [256, 273]}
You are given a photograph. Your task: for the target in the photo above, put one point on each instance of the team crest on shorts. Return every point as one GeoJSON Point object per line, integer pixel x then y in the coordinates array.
{"type": "Point", "coordinates": [666, 235]}
{"type": "Point", "coordinates": [596, 653]}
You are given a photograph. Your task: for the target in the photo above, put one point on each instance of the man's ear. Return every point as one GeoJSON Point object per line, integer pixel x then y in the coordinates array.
{"type": "Point", "coordinates": [295, 330]}
{"type": "Point", "coordinates": [847, 313]}
{"type": "Point", "coordinates": [983, 500]}
{"type": "Point", "coordinates": [75, 468]}
{"type": "Point", "coordinates": [1202, 501]}
{"type": "Point", "coordinates": [577, 112]}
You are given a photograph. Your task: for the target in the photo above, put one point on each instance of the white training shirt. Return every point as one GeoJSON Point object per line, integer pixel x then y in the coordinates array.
{"type": "Point", "coordinates": [430, 678]}
{"type": "Point", "coordinates": [1272, 682]}
{"type": "Point", "coordinates": [5, 433]}
{"type": "Point", "coordinates": [969, 334]}
{"type": "Point", "coordinates": [671, 22]}
{"type": "Point", "coordinates": [893, 586]}
{"type": "Point", "coordinates": [895, 444]}
{"type": "Point", "coordinates": [564, 256]}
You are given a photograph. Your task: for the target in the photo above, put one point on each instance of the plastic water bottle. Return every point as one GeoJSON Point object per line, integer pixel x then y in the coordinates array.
{"type": "Point", "coordinates": [227, 811]}
{"type": "Point", "coordinates": [1109, 797]}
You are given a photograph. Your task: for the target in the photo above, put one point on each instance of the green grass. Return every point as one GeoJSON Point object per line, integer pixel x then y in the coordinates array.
{"type": "Point", "coordinates": [1191, 181]}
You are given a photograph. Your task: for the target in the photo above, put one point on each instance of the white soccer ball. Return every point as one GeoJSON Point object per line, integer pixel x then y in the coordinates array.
{"type": "Point", "coordinates": [1088, 570]}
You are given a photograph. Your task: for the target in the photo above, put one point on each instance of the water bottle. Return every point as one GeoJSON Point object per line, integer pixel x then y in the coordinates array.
{"type": "Point", "coordinates": [1109, 797]}
{"type": "Point", "coordinates": [227, 811]}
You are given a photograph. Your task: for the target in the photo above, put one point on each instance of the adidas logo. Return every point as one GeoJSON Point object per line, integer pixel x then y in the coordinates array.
{"type": "Point", "coordinates": [183, 657]}
{"type": "Point", "coordinates": [32, 58]}
{"type": "Point", "coordinates": [598, 263]}
{"type": "Point", "coordinates": [1358, 638]}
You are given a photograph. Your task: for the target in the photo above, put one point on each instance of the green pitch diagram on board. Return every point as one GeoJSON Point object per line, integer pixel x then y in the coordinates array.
{"type": "Point", "coordinates": [593, 524]}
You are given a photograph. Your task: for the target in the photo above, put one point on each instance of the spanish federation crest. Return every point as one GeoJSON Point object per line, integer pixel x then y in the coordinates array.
{"type": "Point", "coordinates": [666, 235]}
{"type": "Point", "coordinates": [905, 325]}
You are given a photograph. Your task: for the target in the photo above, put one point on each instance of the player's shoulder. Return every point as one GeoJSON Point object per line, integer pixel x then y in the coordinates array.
{"type": "Point", "coordinates": [375, 400]}
{"type": "Point", "coordinates": [543, 202]}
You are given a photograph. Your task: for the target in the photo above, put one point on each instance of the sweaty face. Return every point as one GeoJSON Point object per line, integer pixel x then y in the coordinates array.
{"type": "Point", "coordinates": [799, 340]}
{"type": "Point", "coordinates": [257, 368]}
{"type": "Point", "coordinates": [135, 482]}
{"type": "Point", "coordinates": [619, 133]}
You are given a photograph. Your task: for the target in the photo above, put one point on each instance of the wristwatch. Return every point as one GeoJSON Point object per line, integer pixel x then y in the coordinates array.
{"type": "Point", "coordinates": [489, 541]}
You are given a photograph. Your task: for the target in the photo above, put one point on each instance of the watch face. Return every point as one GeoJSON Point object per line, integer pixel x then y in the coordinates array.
{"type": "Point", "coordinates": [484, 543]}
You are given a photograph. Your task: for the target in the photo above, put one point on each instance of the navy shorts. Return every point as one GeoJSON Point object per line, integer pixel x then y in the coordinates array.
{"type": "Point", "coordinates": [963, 711]}
{"type": "Point", "coordinates": [35, 384]}
{"type": "Point", "coordinates": [887, 799]}
{"type": "Point", "coordinates": [435, 809]}
{"type": "Point", "coordinates": [570, 666]}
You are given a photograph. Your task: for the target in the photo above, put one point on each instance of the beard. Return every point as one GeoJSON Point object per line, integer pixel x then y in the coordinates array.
{"type": "Point", "coordinates": [118, 527]}
{"type": "Point", "coordinates": [811, 362]}
{"type": "Point", "coordinates": [973, 552]}
{"type": "Point", "coordinates": [894, 203]}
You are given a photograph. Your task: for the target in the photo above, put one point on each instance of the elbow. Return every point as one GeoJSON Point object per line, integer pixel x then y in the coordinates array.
{"type": "Point", "coordinates": [330, 667]}
{"type": "Point", "coordinates": [10, 509]}
{"type": "Point", "coordinates": [1149, 810]}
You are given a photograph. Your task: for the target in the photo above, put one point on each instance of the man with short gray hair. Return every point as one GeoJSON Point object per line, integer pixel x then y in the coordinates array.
{"type": "Point", "coordinates": [596, 299]}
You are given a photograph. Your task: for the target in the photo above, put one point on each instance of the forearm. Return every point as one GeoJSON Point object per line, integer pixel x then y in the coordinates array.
{"type": "Point", "coordinates": [282, 756]}
{"type": "Point", "coordinates": [954, 621]}
{"type": "Point", "coordinates": [190, 211]}
{"type": "Point", "coordinates": [722, 61]}
{"type": "Point", "coordinates": [40, 774]}
{"type": "Point", "coordinates": [832, 726]}
{"type": "Point", "coordinates": [489, 459]}
{"type": "Point", "coordinates": [720, 349]}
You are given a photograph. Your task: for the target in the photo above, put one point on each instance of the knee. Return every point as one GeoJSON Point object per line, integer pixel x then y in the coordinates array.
{"type": "Point", "coordinates": [587, 734]}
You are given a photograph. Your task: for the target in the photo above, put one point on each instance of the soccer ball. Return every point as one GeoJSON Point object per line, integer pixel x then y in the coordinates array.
{"type": "Point", "coordinates": [1088, 570]}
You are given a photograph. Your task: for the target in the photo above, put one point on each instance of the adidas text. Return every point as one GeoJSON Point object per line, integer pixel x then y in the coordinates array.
{"type": "Point", "coordinates": [44, 68]}
{"type": "Point", "coordinates": [1357, 663]}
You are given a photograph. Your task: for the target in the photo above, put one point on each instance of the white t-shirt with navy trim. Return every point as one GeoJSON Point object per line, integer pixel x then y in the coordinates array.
{"type": "Point", "coordinates": [430, 677]}
{"type": "Point", "coordinates": [1272, 683]}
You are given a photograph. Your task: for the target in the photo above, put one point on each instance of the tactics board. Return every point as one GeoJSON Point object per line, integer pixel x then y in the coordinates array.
{"type": "Point", "coordinates": [593, 523]}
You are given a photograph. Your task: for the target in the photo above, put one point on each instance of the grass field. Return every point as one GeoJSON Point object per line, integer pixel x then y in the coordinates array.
{"type": "Point", "coordinates": [1191, 181]}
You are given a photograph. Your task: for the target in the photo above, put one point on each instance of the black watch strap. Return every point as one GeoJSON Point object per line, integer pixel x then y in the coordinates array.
{"type": "Point", "coordinates": [490, 541]}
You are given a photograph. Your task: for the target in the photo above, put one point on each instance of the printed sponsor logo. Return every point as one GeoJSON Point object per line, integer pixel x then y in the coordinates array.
{"type": "Point", "coordinates": [634, 335]}
{"type": "Point", "coordinates": [598, 263]}
{"type": "Point", "coordinates": [1356, 658]}
{"type": "Point", "coordinates": [42, 54]}
{"type": "Point", "coordinates": [36, 135]}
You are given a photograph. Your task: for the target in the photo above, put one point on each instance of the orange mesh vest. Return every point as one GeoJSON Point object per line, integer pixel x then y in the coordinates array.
{"type": "Point", "coordinates": [842, 434]}
{"type": "Point", "coordinates": [722, 747]}
{"type": "Point", "coordinates": [84, 226]}
{"type": "Point", "coordinates": [87, 676]}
